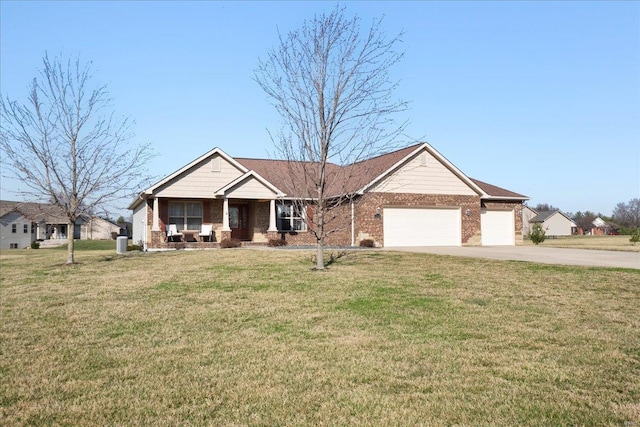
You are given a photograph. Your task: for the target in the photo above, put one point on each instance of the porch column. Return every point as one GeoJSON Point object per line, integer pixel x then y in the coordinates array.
{"type": "Point", "coordinates": [272, 216]}
{"type": "Point", "coordinates": [155, 225]}
{"type": "Point", "coordinates": [225, 215]}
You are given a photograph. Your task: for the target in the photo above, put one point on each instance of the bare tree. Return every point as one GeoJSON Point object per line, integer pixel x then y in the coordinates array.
{"type": "Point", "coordinates": [330, 83]}
{"type": "Point", "coordinates": [65, 147]}
{"type": "Point", "coordinates": [628, 214]}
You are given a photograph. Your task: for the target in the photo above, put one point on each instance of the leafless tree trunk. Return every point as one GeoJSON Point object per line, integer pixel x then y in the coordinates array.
{"type": "Point", "coordinates": [64, 147]}
{"type": "Point", "coordinates": [331, 85]}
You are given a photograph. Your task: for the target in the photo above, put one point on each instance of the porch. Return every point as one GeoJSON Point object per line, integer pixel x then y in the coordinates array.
{"type": "Point", "coordinates": [247, 220]}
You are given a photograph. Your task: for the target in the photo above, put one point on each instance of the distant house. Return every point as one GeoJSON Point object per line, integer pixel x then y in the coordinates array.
{"type": "Point", "coordinates": [22, 223]}
{"type": "Point", "coordinates": [601, 227]}
{"type": "Point", "coordinates": [527, 214]}
{"type": "Point", "coordinates": [555, 223]}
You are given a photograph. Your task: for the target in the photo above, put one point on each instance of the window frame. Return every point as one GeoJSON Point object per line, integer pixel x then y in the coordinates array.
{"type": "Point", "coordinates": [25, 228]}
{"type": "Point", "coordinates": [185, 217]}
{"type": "Point", "coordinates": [14, 228]}
{"type": "Point", "coordinates": [292, 218]}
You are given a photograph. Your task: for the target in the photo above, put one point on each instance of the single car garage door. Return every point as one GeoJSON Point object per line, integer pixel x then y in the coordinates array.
{"type": "Point", "coordinates": [422, 227]}
{"type": "Point", "coordinates": [498, 227]}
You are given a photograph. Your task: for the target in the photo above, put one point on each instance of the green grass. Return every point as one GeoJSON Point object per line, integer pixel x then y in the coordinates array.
{"type": "Point", "coordinates": [608, 243]}
{"type": "Point", "coordinates": [253, 337]}
{"type": "Point", "coordinates": [90, 245]}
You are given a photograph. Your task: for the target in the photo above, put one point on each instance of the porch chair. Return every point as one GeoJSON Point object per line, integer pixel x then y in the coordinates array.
{"type": "Point", "coordinates": [172, 233]}
{"type": "Point", "coordinates": [207, 231]}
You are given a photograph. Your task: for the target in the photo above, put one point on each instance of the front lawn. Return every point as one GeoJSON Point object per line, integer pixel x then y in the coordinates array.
{"type": "Point", "coordinates": [254, 337]}
{"type": "Point", "coordinates": [608, 243]}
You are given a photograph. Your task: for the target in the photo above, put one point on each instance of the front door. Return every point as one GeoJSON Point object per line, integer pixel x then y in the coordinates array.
{"type": "Point", "coordinates": [239, 222]}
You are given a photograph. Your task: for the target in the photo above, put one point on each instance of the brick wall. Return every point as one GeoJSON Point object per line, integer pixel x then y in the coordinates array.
{"type": "Point", "coordinates": [369, 225]}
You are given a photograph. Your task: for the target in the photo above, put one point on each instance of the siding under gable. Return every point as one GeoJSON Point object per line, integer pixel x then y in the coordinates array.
{"type": "Point", "coordinates": [424, 174]}
{"type": "Point", "coordinates": [557, 225]}
{"type": "Point", "coordinates": [202, 180]}
{"type": "Point", "coordinates": [250, 188]}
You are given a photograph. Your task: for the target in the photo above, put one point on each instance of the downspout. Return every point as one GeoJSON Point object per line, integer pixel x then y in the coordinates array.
{"type": "Point", "coordinates": [353, 228]}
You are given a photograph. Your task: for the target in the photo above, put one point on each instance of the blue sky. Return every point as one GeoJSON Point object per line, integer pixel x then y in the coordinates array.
{"type": "Point", "coordinates": [542, 98]}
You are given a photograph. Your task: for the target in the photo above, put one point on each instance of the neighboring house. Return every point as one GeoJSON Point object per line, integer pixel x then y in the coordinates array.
{"type": "Point", "coordinates": [601, 227]}
{"type": "Point", "coordinates": [555, 223]}
{"type": "Point", "coordinates": [527, 215]}
{"type": "Point", "coordinates": [22, 223]}
{"type": "Point", "coordinates": [96, 228]}
{"type": "Point", "coordinates": [409, 197]}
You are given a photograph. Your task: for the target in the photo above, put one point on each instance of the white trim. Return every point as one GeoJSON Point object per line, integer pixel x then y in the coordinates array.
{"type": "Point", "coordinates": [222, 191]}
{"type": "Point", "coordinates": [155, 226]}
{"type": "Point", "coordinates": [149, 191]}
{"type": "Point", "coordinates": [272, 215]}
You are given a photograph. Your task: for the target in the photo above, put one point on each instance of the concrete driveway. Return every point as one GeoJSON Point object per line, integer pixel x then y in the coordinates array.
{"type": "Point", "coordinates": [545, 255]}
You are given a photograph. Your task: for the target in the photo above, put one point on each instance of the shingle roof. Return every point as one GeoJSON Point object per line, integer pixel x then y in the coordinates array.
{"type": "Point", "coordinates": [286, 175]}
{"type": "Point", "coordinates": [497, 192]}
{"type": "Point", "coordinates": [34, 211]}
{"type": "Point", "coordinates": [542, 216]}
{"type": "Point", "coordinates": [295, 178]}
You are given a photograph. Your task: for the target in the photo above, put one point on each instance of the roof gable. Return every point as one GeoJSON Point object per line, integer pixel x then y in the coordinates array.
{"type": "Point", "coordinates": [200, 162]}
{"type": "Point", "coordinates": [249, 185]}
{"type": "Point", "coordinates": [424, 171]}
{"type": "Point", "coordinates": [544, 216]}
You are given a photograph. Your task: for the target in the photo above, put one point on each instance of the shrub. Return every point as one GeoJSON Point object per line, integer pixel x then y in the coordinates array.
{"type": "Point", "coordinates": [367, 243]}
{"type": "Point", "coordinates": [277, 242]}
{"type": "Point", "coordinates": [134, 248]}
{"type": "Point", "coordinates": [537, 234]}
{"type": "Point", "coordinates": [179, 245]}
{"type": "Point", "coordinates": [635, 236]}
{"type": "Point", "coordinates": [230, 243]}
{"type": "Point", "coordinates": [35, 245]}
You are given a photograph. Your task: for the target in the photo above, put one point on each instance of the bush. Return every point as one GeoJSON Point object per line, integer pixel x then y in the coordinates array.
{"type": "Point", "coordinates": [367, 243]}
{"type": "Point", "coordinates": [230, 243]}
{"type": "Point", "coordinates": [635, 236]}
{"type": "Point", "coordinates": [134, 248]}
{"type": "Point", "coordinates": [537, 234]}
{"type": "Point", "coordinates": [35, 245]}
{"type": "Point", "coordinates": [277, 242]}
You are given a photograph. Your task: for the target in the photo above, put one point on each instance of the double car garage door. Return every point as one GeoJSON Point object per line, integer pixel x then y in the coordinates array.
{"type": "Point", "coordinates": [443, 227]}
{"type": "Point", "coordinates": [422, 227]}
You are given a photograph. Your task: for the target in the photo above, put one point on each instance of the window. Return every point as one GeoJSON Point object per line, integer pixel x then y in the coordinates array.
{"type": "Point", "coordinates": [13, 246]}
{"type": "Point", "coordinates": [185, 215]}
{"type": "Point", "coordinates": [25, 228]}
{"type": "Point", "coordinates": [14, 228]}
{"type": "Point", "coordinates": [290, 219]}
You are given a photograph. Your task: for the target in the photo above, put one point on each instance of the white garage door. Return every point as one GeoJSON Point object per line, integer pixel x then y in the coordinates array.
{"type": "Point", "coordinates": [422, 227]}
{"type": "Point", "coordinates": [497, 228]}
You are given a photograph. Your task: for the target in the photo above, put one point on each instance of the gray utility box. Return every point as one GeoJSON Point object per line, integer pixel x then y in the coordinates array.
{"type": "Point", "coordinates": [121, 244]}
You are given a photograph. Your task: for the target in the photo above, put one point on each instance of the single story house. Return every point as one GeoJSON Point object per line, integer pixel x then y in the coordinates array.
{"type": "Point", "coordinates": [555, 223]}
{"type": "Point", "coordinates": [22, 223]}
{"type": "Point", "coordinates": [528, 214]}
{"type": "Point", "coordinates": [410, 197]}
{"type": "Point", "coordinates": [601, 227]}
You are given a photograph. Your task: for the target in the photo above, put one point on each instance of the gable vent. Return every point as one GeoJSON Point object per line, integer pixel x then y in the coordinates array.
{"type": "Point", "coordinates": [215, 164]}
{"type": "Point", "coordinates": [423, 159]}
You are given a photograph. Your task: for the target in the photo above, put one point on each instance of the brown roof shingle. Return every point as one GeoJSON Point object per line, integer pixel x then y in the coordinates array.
{"type": "Point", "coordinates": [289, 176]}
